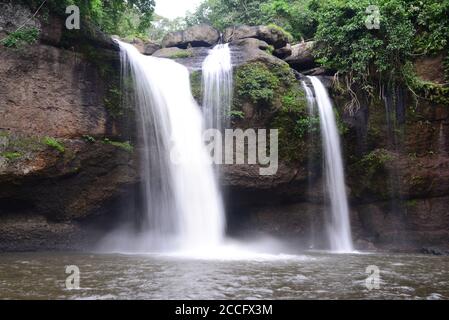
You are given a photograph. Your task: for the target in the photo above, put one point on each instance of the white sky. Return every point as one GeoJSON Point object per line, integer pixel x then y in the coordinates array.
{"type": "Point", "coordinates": [175, 8]}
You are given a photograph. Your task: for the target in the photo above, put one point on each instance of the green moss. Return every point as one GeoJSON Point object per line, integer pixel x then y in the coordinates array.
{"type": "Point", "coordinates": [281, 30]}
{"type": "Point", "coordinates": [235, 114]}
{"type": "Point", "coordinates": [196, 85]}
{"type": "Point", "coordinates": [257, 82]}
{"type": "Point", "coordinates": [434, 92]}
{"type": "Point", "coordinates": [21, 37]}
{"type": "Point", "coordinates": [274, 90]}
{"type": "Point", "coordinates": [53, 143]}
{"type": "Point", "coordinates": [307, 125]}
{"type": "Point", "coordinates": [294, 100]}
{"type": "Point", "coordinates": [11, 156]}
{"type": "Point", "coordinates": [122, 145]}
{"type": "Point", "coordinates": [181, 55]}
{"type": "Point", "coordinates": [270, 49]}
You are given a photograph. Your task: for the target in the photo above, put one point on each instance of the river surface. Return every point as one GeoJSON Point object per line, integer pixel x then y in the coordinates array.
{"type": "Point", "coordinates": [313, 275]}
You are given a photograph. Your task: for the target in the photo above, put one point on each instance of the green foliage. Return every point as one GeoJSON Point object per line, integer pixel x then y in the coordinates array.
{"type": "Point", "coordinates": [270, 49]}
{"type": "Point", "coordinates": [307, 125]}
{"type": "Point", "coordinates": [296, 17]}
{"type": "Point", "coordinates": [89, 139]}
{"type": "Point", "coordinates": [347, 45]}
{"type": "Point", "coordinates": [26, 35]}
{"type": "Point", "coordinates": [376, 58]}
{"type": "Point", "coordinates": [181, 55]}
{"type": "Point", "coordinates": [428, 90]}
{"type": "Point", "coordinates": [257, 82]}
{"type": "Point", "coordinates": [11, 156]}
{"type": "Point", "coordinates": [237, 114]}
{"type": "Point", "coordinates": [432, 25]}
{"type": "Point", "coordinates": [375, 160]}
{"type": "Point", "coordinates": [53, 143]}
{"type": "Point", "coordinates": [281, 30]}
{"type": "Point", "coordinates": [119, 17]}
{"type": "Point", "coordinates": [122, 145]}
{"type": "Point", "coordinates": [196, 85]}
{"type": "Point", "coordinates": [161, 26]}
{"type": "Point", "coordinates": [293, 100]}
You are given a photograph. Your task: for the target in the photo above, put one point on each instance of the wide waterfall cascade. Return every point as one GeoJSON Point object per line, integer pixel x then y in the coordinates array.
{"type": "Point", "coordinates": [217, 87]}
{"type": "Point", "coordinates": [183, 205]}
{"type": "Point", "coordinates": [339, 229]}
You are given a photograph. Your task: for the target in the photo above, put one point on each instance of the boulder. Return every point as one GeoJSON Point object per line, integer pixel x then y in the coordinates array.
{"type": "Point", "coordinates": [150, 48]}
{"type": "Point", "coordinates": [252, 50]}
{"type": "Point", "coordinates": [302, 57]}
{"type": "Point", "coordinates": [191, 58]}
{"type": "Point", "coordinates": [144, 47]}
{"type": "Point", "coordinates": [202, 35]}
{"type": "Point", "coordinates": [283, 52]}
{"type": "Point", "coordinates": [273, 36]}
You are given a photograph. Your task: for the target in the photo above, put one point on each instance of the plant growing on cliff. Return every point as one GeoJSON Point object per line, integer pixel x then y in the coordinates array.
{"type": "Point", "coordinates": [53, 143]}
{"type": "Point", "coordinates": [122, 145]}
{"type": "Point", "coordinates": [257, 82]}
{"type": "Point", "coordinates": [11, 156]}
{"type": "Point", "coordinates": [20, 37]}
{"type": "Point", "coordinates": [307, 125]}
{"type": "Point", "coordinates": [235, 114]}
{"type": "Point", "coordinates": [181, 55]}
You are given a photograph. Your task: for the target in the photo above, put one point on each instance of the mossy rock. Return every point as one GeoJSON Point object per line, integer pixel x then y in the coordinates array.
{"type": "Point", "coordinates": [277, 101]}
{"type": "Point", "coordinates": [196, 85]}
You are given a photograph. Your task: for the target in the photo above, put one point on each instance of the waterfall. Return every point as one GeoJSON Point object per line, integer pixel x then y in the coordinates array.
{"type": "Point", "coordinates": [183, 206]}
{"type": "Point", "coordinates": [339, 230]}
{"type": "Point", "coordinates": [217, 87]}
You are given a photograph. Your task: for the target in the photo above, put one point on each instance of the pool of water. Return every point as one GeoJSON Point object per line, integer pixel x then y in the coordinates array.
{"type": "Point", "coordinates": [312, 275]}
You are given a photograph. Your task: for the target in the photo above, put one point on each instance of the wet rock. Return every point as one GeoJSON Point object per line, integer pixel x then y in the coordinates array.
{"type": "Point", "coordinates": [202, 35]}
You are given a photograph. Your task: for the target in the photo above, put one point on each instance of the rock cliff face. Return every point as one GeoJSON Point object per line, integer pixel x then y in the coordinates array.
{"type": "Point", "coordinates": [65, 164]}
{"type": "Point", "coordinates": [396, 161]}
{"type": "Point", "coordinates": [63, 159]}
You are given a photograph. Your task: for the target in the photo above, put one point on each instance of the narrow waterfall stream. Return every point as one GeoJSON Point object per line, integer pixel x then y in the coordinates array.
{"type": "Point", "coordinates": [338, 228]}
{"type": "Point", "coordinates": [183, 205]}
{"type": "Point", "coordinates": [217, 87]}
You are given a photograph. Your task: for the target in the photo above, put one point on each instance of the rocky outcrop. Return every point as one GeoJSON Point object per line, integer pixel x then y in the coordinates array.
{"type": "Point", "coordinates": [147, 48]}
{"type": "Point", "coordinates": [271, 35]}
{"type": "Point", "coordinates": [63, 156]}
{"type": "Point", "coordinates": [301, 57]}
{"type": "Point", "coordinates": [202, 35]}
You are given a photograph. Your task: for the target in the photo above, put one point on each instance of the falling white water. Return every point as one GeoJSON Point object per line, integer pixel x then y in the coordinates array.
{"type": "Point", "coordinates": [217, 87]}
{"type": "Point", "coordinates": [339, 229]}
{"type": "Point", "coordinates": [183, 205]}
